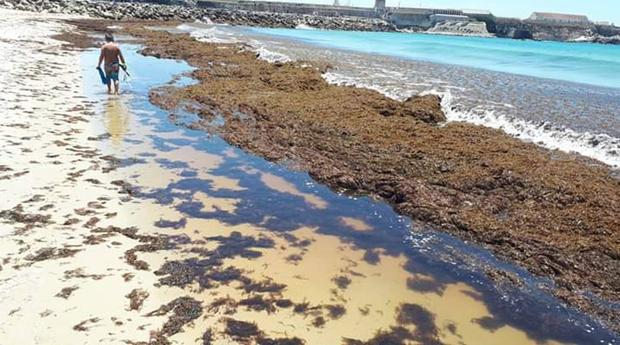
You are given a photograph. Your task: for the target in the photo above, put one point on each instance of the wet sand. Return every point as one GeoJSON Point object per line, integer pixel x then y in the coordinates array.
{"type": "Point", "coordinates": [119, 226]}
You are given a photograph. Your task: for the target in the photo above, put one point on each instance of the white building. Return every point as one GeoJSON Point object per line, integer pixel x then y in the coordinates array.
{"type": "Point", "coordinates": [559, 18]}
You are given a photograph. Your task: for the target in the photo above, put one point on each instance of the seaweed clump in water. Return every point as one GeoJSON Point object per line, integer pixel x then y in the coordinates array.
{"type": "Point", "coordinates": [426, 331]}
{"type": "Point", "coordinates": [342, 282]}
{"type": "Point", "coordinates": [280, 341]}
{"type": "Point", "coordinates": [395, 336]}
{"type": "Point", "coordinates": [247, 332]}
{"type": "Point", "coordinates": [207, 270]}
{"type": "Point", "coordinates": [184, 309]}
{"type": "Point", "coordinates": [241, 330]}
{"type": "Point", "coordinates": [425, 328]}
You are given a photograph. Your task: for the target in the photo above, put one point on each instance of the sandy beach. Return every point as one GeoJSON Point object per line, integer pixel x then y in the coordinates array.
{"type": "Point", "coordinates": [207, 223]}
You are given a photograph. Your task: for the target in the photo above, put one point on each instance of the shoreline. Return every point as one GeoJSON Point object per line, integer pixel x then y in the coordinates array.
{"type": "Point", "coordinates": [466, 223]}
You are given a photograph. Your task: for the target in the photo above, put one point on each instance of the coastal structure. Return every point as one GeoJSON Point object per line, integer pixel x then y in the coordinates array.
{"type": "Point", "coordinates": [411, 17]}
{"type": "Point", "coordinates": [289, 7]}
{"type": "Point", "coordinates": [437, 18]}
{"type": "Point", "coordinates": [559, 19]}
{"type": "Point", "coordinates": [339, 16]}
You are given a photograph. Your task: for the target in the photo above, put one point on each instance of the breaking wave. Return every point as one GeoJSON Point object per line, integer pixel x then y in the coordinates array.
{"type": "Point", "coordinates": [214, 35]}
{"type": "Point", "coordinates": [224, 35]}
{"type": "Point", "coordinates": [305, 27]}
{"type": "Point", "coordinates": [601, 147]}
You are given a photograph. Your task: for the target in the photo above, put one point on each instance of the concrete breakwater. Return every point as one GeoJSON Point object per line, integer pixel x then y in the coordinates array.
{"type": "Point", "coordinates": [162, 12]}
{"type": "Point", "coordinates": [541, 26]}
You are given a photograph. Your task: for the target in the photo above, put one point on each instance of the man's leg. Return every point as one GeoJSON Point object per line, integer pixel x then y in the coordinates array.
{"type": "Point", "coordinates": [117, 87]}
{"type": "Point", "coordinates": [115, 70]}
{"type": "Point", "coordinates": [108, 76]}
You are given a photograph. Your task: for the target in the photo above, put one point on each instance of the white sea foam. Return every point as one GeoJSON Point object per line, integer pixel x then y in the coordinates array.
{"type": "Point", "coordinates": [207, 20]}
{"type": "Point", "coordinates": [304, 27]}
{"type": "Point", "coordinates": [185, 27]}
{"type": "Point", "coordinates": [601, 147]}
{"type": "Point", "coordinates": [214, 35]}
{"type": "Point", "coordinates": [219, 34]}
{"type": "Point", "coordinates": [340, 79]}
{"type": "Point", "coordinates": [271, 56]}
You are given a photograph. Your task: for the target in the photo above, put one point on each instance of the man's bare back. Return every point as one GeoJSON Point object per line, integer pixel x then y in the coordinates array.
{"type": "Point", "coordinates": [112, 57]}
{"type": "Point", "coordinates": [111, 53]}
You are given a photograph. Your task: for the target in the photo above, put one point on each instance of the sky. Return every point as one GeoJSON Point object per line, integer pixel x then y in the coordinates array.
{"type": "Point", "coordinates": [596, 10]}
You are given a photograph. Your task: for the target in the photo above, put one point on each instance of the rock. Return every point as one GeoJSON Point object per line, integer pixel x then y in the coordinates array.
{"type": "Point", "coordinates": [426, 108]}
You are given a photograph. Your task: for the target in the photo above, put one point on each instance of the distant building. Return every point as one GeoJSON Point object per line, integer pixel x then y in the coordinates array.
{"type": "Point", "coordinates": [379, 4]}
{"type": "Point", "coordinates": [476, 12]}
{"type": "Point", "coordinates": [559, 18]}
{"type": "Point", "coordinates": [447, 11]}
{"type": "Point", "coordinates": [436, 18]}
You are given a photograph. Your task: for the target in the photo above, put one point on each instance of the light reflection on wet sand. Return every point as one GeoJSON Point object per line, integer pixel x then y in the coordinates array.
{"type": "Point", "coordinates": [116, 120]}
{"type": "Point", "coordinates": [281, 185]}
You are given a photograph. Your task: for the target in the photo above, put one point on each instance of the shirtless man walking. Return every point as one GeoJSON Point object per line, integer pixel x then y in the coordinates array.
{"type": "Point", "coordinates": [112, 57]}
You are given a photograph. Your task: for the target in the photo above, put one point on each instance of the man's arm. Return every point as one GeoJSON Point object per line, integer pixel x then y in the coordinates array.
{"type": "Point", "coordinates": [100, 58]}
{"type": "Point", "coordinates": [120, 56]}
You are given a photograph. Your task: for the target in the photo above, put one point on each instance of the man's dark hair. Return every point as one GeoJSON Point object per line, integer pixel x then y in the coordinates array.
{"type": "Point", "coordinates": [109, 37]}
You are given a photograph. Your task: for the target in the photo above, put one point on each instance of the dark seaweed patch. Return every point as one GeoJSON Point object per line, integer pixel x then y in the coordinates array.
{"type": "Point", "coordinates": [489, 323]}
{"type": "Point", "coordinates": [81, 327]}
{"type": "Point", "coordinates": [395, 336]}
{"type": "Point", "coordinates": [66, 292]}
{"type": "Point", "coordinates": [425, 328]}
{"type": "Point", "coordinates": [207, 269]}
{"type": "Point", "coordinates": [280, 341]}
{"type": "Point", "coordinates": [425, 285]}
{"type": "Point", "coordinates": [184, 310]}
{"type": "Point", "coordinates": [294, 258]}
{"type": "Point", "coordinates": [335, 311]}
{"type": "Point", "coordinates": [228, 305]}
{"type": "Point", "coordinates": [284, 303]}
{"type": "Point", "coordinates": [238, 245]}
{"type": "Point", "coordinates": [178, 224]}
{"type": "Point", "coordinates": [319, 321]}
{"type": "Point", "coordinates": [451, 327]}
{"type": "Point", "coordinates": [207, 337]}
{"type": "Point", "coordinates": [241, 330]}
{"type": "Point", "coordinates": [263, 286]}
{"type": "Point", "coordinates": [17, 215]}
{"type": "Point", "coordinates": [136, 298]}
{"type": "Point", "coordinates": [371, 257]}
{"type": "Point", "coordinates": [258, 303]}
{"type": "Point", "coordinates": [342, 282]}
{"type": "Point", "coordinates": [150, 243]}
{"type": "Point", "coordinates": [50, 253]}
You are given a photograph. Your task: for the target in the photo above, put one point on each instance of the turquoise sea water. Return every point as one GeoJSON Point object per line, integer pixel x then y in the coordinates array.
{"type": "Point", "coordinates": [588, 63]}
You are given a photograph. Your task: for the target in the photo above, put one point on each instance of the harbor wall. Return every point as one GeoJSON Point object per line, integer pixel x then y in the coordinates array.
{"type": "Point", "coordinates": [293, 8]}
